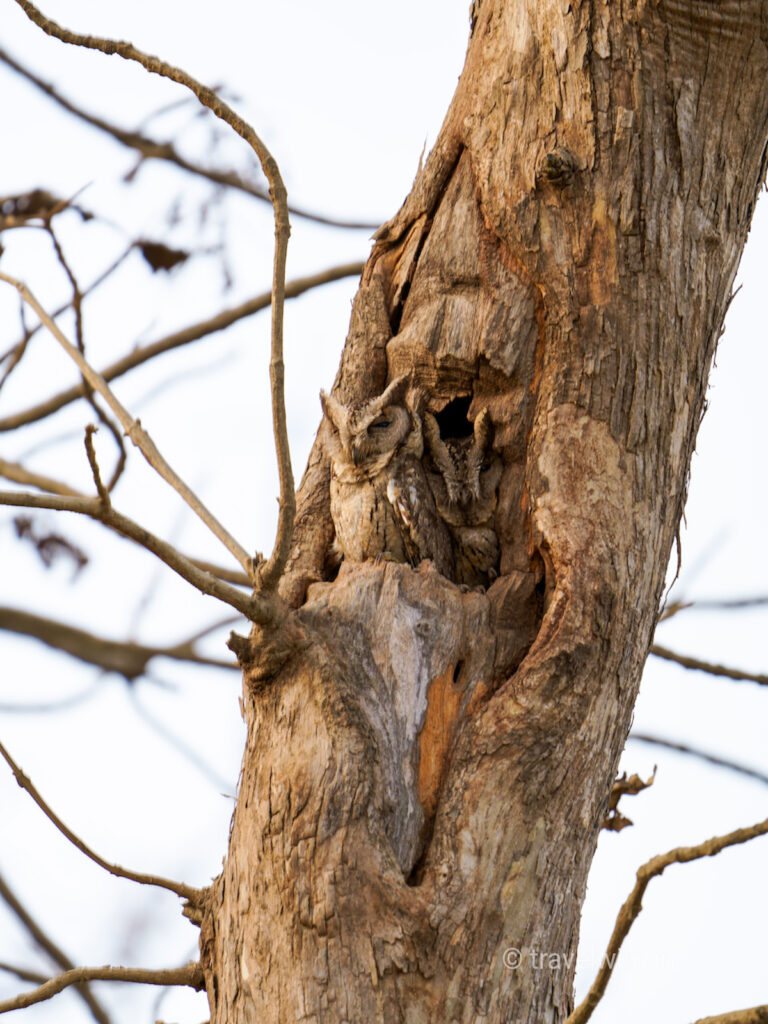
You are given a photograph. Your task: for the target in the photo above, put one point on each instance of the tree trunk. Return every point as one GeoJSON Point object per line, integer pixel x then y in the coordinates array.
{"type": "Point", "coordinates": [426, 774]}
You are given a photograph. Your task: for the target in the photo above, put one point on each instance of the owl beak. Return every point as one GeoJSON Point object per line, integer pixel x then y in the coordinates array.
{"type": "Point", "coordinates": [355, 455]}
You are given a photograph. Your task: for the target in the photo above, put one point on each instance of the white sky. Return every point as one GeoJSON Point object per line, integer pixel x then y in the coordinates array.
{"type": "Point", "coordinates": [346, 97]}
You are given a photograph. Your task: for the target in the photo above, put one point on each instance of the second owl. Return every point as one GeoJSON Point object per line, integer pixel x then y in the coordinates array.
{"type": "Point", "coordinates": [464, 478]}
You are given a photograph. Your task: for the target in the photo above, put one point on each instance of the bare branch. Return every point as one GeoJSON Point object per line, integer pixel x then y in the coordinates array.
{"type": "Point", "coordinates": [51, 706]}
{"type": "Point", "coordinates": [736, 604]}
{"type": "Point", "coordinates": [185, 891]}
{"type": "Point", "coordinates": [703, 755]}
{"type": "Point", "coordinates": [706, 666]}
{"type": "Point", "coordinates": [77, 307]}
{"type": "Point", "coordinates": [672, 609]}
{"type": "Point", "coordinates": [54, 952]}
{"type": "Point", "coordinates": [16, 352]}
{"type": "Point", "coordinates": [130, 660]}
{"type": "Point", "coordinates": [134, 430]}
{"type": "Point", "coordinates": [754, 1015]}
{"type": "Point", "coordinates": [718, 604]}
{"type": "Point", "coordinates": [19, 475]}
{"type": "Point", "coordinates": [183, 337]}
{"type": "Point", "coordinates": [633, 905]}
{"type": "Point", "coordinates": [257, 608]}
{"type": "Point", "coordinates": [16, 472]}
{"type": "Point", "coordinates": [207, 630]}
{"type": "Point", "coordinates": [229, 575]}
{"type": "Point", "coordinates": [23, 973]}
{"type": "Point", "coordinates": [191, 976]}
{"type": "Point", "coordinates": [152, 150]}
{"type": "Point", "coordinates": [268, 574]}
{"type": "Point", "coordinates": [709, 604]}
{"type": "Point", "coordinates": [90, 451]}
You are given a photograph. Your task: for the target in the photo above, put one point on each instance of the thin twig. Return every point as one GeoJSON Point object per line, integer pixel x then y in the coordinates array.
{"type": "Point", "coordinates": [702, 755]}
{"type": "Point", "coordinates": [185, 336]}
{"type": "Point", "coordinates": [77, 308]}
{"type": "Point", "coordinates": [191, 976]}
{"type": "Point", "coordinates": [90, 451]}
{"type": "Point", "coordinates": [228, 575]}
{"type": "Point", "coordinates": [725, 604]}
{"type": "Point", "coordinates": [133, 428]}
{"type": "Point", "coordinates": [706, 666]}
{"type": "Point", "coordinates": [207, 630]}
{"type": "Point", "coordinates": [47, 944]}
{"type": "Point", "coordinates": [20, 475]}
{"type": "Point", "coordinates": [152, 150]}
{"type": "Point", "coordinates": [633, 905]}
{"type": "Point", "coordinates": [51, 706]}
{"type": "Point", "coordinates": [709, 605]}
{"type": "Point", "coordinates": [257, 608]}
{"type": "Point", "coordinates": [672, 609]}
{"type": "Point", "coordinates": [23, 973]}
{"type": "Point", "coordinates": [185, 891]}
{"type": "Point", "coordinates": [130, 660]}
{"type": "Point", "coordinates": [735, 604]}
{"type": "Point", "coordinates": [268, 574]}
{"type": "Point", "coordinates": [15, 353]}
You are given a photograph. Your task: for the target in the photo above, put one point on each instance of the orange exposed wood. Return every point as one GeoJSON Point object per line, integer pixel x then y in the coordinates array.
{"type": "Point", "coordinates": [444, 699]}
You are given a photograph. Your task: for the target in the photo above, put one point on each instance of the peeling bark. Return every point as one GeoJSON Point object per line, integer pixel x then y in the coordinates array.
{"type": "Point", "coordinates": [426, 774]}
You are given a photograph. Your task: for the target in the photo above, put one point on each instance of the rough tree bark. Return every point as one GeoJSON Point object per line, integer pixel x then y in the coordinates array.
{"type": "Point", "coordinates": [426, 774]}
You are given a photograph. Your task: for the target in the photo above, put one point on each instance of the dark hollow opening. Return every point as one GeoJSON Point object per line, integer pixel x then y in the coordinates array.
{"type": "Point", "coordinates": [453, 421]}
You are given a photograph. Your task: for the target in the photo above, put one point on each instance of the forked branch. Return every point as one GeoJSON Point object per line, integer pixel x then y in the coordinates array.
{"type": "Point", "coordinates": [256, 607]}
{"type": "Point", "coordinates": [634, 904]}
{"type": "Point", "coordinates": [133, 428]}
{"type": "Point", "coordinates": [191, 976]}
{"type": "Point", "coordinates": [21, 475]}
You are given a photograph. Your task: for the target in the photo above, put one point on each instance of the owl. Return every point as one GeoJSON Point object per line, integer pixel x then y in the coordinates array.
{"type": "Point", "coordinates": [464, 478]}
{"type": "Point", "coordinates": [381, 504]}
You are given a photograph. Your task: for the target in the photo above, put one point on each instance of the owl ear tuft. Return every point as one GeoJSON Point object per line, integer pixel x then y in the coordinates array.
{"type": "Point", "coordinates": [431, 431]}
{"type": "Point", "coordinates": [332, 409]}
{"type": "Point", "coordinates": [394, 391]}
{"type": "Point", "coordinates": [483, 430]}
{"type": "Point", "coordinates": [438, 449]}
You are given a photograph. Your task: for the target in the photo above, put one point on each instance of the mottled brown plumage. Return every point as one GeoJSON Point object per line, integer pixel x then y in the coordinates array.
{"type": "Point", "coordinates": [381, 503]}
{"type": "Point", "coordinates": [464, 478]}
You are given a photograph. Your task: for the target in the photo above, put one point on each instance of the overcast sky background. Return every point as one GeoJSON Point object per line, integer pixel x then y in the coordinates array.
{"type": "Point", "coordinates": [346, 97]}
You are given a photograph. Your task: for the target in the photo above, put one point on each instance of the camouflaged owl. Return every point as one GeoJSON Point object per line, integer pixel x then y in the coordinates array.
{"type": "Point", "coordinates": [381, 504]}
{"type": "Point", "coordinates": [464, 478]}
